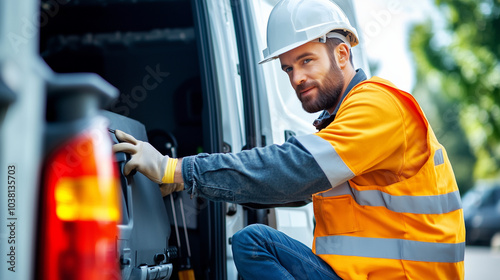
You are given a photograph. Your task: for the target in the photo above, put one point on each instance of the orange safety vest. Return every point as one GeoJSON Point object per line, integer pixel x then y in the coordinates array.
{"type": "Point", "coordinates": [411, 229]}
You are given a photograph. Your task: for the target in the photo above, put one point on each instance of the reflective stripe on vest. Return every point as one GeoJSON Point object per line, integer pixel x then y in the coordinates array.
{"type": "Point", "coordinates": [327, 158]}
{"type": "Point", "coordinates": [438, 157]}
{"type": "Point", "coordinates": [428, 204]}
{"type": "Point", "coordinates": [337, 173]}
{"type": "Point", "coordinates": [399, 249]}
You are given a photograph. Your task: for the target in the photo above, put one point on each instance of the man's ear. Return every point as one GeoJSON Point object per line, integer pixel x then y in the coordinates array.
{"type": "Point", "coordinates": [342, 53]}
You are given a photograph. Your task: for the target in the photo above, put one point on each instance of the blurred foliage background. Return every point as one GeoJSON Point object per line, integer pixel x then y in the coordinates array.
{"type": "Point", "coordinates": [458, 77]}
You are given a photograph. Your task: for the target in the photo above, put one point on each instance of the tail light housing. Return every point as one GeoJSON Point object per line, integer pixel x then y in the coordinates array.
{"type": "Point", "coordinates": [80, 210]}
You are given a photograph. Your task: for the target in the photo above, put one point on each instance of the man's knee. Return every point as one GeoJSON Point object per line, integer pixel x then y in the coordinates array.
{"type": "Point", "coordinates": [248, 234]}
{"type": "Point", "coordinates": [248, 239]}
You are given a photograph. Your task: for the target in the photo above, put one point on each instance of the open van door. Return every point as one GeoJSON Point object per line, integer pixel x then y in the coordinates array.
{"type": "Point", "coordinates": [144, 230]}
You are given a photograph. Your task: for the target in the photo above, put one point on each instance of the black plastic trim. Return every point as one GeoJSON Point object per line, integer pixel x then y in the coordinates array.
{"type": "Point", "coordinates": [248, 73]}
{"type": "Point", "coordinates": [212, 216]}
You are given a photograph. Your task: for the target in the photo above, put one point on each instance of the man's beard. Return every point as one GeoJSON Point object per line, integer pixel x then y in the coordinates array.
{"type": "Point", "coordinates": [328, 93]}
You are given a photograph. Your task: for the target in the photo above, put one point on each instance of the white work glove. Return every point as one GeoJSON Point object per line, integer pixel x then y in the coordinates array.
{"type": "Point", "coordinates": [145, 159]}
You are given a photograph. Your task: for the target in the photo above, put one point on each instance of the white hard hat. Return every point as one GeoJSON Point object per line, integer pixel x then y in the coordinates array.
{"type": "Point", "coordinates": [293, 23]}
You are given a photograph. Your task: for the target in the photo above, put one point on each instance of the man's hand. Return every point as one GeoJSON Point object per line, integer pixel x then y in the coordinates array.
{"type": "Point", "coordinates": [145, 158]}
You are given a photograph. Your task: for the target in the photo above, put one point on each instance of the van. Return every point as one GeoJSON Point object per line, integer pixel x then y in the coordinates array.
{"type": "Point", "coordinates": [481, 206]}
{"type": "Point", "coordinates": [181, 74]}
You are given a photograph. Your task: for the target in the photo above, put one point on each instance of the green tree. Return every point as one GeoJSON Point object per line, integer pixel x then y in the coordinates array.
{"type": "Point", "coordinates": [457, 58]}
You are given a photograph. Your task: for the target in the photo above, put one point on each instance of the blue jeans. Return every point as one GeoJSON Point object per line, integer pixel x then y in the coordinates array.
{"type": "Point", "coordinates": [261, 252]}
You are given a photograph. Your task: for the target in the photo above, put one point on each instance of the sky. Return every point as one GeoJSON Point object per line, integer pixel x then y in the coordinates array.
{"type": "Point", "coordinates": [385, 26]}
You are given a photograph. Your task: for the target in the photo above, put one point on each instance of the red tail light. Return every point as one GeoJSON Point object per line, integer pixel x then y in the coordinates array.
{"type": "Point", "coordinates": [80, 210]}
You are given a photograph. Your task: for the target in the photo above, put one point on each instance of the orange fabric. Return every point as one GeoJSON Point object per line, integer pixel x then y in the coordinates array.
{"type": "Point", "coordinates": [382, 135]}
{"type": "Point", "coordinates": [376, 125]}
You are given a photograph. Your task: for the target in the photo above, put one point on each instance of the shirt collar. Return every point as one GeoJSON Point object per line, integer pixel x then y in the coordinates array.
{"type": "Point", "coordinates": [325, 118]}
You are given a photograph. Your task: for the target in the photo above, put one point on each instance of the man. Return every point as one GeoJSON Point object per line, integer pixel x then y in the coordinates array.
{"type": "Point", "coordinates": [385, 198]}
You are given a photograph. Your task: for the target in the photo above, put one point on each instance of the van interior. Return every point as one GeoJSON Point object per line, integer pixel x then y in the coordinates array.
{"type": "Point", "coordinates": [152, 51]}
